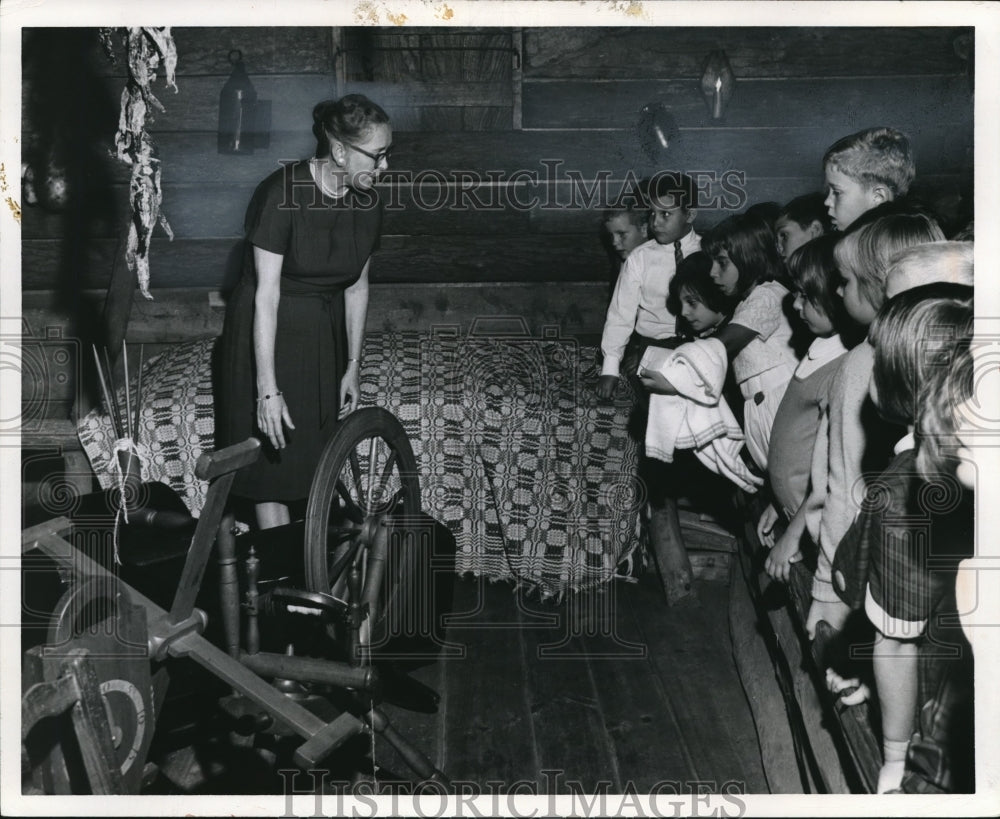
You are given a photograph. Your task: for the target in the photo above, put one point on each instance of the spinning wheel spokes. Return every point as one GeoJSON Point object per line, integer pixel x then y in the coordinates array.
{"type": "Point", "coordinates": [351, 508]}
{"type": "Point", "coordinates": [371, 473]}
{"type": "Point", "coordinates": [365, 484]}
{"type": "Point", "coordinates": [355, 473]}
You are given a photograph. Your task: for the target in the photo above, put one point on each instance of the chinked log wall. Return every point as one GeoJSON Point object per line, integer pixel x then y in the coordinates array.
{"type": "Point", "coordinates": [477, 100]}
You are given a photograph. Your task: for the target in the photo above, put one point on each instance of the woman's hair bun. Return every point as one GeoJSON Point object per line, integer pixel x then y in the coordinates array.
{"type": "Point", "coordinates": [349, 118]}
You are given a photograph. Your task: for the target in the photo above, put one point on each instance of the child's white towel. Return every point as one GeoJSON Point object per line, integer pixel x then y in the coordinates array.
{"type": "Point", "coordinates": [698, 417]}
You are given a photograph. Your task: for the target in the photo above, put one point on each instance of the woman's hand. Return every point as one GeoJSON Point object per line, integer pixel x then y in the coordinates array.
{"type": "Point", "coordinates": [785, 552]}
{"type": "Point", "coordinates": [272, 412]}
{"type": "Point", "coordinates": [765, 526]}
{"type": "Point", "coordinates": [656, 382]}
{"type": "Point", "coordinates": [350, 390]}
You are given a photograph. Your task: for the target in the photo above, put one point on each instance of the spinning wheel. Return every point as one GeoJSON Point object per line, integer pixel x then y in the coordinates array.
{"type": "Point", "coordinates": [357, 545]}
{"type": "Point", "coordinates": [360, 557]}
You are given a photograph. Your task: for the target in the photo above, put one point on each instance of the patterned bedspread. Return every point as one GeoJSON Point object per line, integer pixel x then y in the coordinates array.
{"type": "Point", "coordinates": [535, 477]}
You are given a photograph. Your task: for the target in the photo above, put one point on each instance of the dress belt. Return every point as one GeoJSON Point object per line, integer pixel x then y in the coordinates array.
{"type": "Point", "coordinates": [326, 377]}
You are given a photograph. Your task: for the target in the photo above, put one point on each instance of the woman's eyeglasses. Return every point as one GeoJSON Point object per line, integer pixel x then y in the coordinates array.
{"type": "Point", "coordinates": [384, 154]}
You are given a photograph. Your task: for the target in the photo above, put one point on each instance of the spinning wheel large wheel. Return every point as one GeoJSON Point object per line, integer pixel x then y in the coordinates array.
{"type": "Point", "coordinates": [358, 534]}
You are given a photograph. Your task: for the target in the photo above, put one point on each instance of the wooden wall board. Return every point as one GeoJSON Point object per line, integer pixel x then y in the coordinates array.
{"type": "Point", "coordinates": [581, 89]}
{"type": "Point", "coordinates": [574, 308]}
{"type": "Point", "coordinates": [216, 210]}
{"type": "Point", "coordinates": [215, 263]}
{"type": "Point", "coordinates": [538, 156]}
{"type": "Point", "coordinates": [905, 102]}
{"type": "Point", "coordinates": [472, 90]}
{"type": "Point", "coordinates": [266, 50]}
{"type": "Point", "coordinates": [195, 105]}
{"type": "Point", "coordinates": [678, 51]}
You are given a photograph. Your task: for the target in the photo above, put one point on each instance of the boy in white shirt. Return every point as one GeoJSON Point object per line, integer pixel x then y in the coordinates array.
{"type": "Point", "coordinates": [637, 315]}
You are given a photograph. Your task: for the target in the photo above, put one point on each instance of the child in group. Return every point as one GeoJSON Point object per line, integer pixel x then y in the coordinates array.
{"type": "Point", "coordinates": [852, 439]}
{"type": "Point", "coordinates": [628, 227]}
{"type": "Point", "coordinates": [899, 559]}
{"type": "Point", "coordinates": [796, 423]}
{"type": "Point", "coordinates": [935, 262]}
{"type": "Point", "coordinates": [865, 170]}
{"type": "Point", "coordinates": [694, 299]}
{"type": "Point", "coordinates": [946, 721]}
{"type": "Point", "coordinates": [768, 211]}
{"type": "Point", "coordinates": [700, 310]}
{"type": "Point", "coordinates": [746, 268]}
{"type": "Point", "coordinates": [801, 220]}
{"type": "Point", "coordinates": [637, 314]}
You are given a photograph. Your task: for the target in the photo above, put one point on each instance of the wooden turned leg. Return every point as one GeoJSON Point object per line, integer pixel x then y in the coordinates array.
{"type": "Point", "coordinates": [670, 552]}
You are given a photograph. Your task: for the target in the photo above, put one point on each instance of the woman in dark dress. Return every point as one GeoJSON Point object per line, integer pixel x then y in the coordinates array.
{"type": "Point", "coordinates": [292, 340]}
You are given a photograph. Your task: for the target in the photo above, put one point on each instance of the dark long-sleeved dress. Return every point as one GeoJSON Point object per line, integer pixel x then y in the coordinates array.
{"type": "Point", "coordinates": [325, 244]}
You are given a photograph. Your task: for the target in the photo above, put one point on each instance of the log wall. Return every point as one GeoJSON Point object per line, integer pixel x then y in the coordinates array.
{"type": "Point", "coordinates": [500, 136]}
{"type": "Point", "coordinates": [480, 200]}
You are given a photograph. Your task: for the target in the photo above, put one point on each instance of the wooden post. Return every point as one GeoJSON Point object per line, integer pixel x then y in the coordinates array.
{"type": "Point", "coordinates": [516, 78]}
{"type": "Point", "coordinates": [339, 60]}
{"type": "Point", "coordinates": [118, 301]}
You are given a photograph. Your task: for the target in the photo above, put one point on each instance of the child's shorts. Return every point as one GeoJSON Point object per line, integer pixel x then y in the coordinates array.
{"type": "Point", "coordinates": [762, 394]}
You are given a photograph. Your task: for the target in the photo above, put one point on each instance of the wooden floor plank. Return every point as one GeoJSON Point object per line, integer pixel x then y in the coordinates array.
{"type": "Point", "coordinates": [573, 748]}
{"type": "Point", "coordinates": [638, 716]}
{"type": "Point", "coordinates": [487, 724]}
{"type": "Point", "coordinates": [691, 650]}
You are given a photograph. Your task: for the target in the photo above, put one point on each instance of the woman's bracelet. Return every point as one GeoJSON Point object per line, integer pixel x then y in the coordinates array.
{"type": "Point", "coordinates": [268, 397]}
{"type": "Point", "coordinates": [353, 359]}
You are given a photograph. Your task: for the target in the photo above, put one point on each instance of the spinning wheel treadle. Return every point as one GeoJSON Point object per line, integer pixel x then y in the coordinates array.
{"type": "Point", "coordinates": [357, 548]}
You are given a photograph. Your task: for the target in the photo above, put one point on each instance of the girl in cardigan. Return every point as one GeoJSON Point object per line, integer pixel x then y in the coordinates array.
{"type": "Point", "coordinates": [940, 757]}
{"type": "Point", "coordinates": [852, 438]}
{"type": "Point", "coordinates": [899, 559]}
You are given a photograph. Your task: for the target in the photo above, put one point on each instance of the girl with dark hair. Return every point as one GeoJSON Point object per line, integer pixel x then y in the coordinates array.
{"type": "Point", "coordinates": [693, 297]}
{"type": "Point", "coordinates": [291, 345]}
{"type": "Point", "coordinates": [746, 268]}
{"type": "Point", "coordinates": [797, 421]}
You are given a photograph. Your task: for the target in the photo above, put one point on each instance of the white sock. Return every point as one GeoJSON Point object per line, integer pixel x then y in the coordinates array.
{"type": "Point", "coordinates": [890, 776]}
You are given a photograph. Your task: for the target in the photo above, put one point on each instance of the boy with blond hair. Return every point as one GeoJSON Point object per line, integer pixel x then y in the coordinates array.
{"type": "Point", "coordinates": [865, 170]}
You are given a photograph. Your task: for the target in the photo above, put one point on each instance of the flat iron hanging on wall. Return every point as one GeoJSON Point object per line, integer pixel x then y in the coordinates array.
{"type": "Point", "coordinates": [244, 121]}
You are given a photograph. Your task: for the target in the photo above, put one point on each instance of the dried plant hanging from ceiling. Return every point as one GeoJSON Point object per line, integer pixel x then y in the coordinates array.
{"type": "Point", "coordinates": [146, 49]}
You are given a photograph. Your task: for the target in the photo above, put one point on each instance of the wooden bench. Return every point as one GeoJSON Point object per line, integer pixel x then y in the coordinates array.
{"type": "Point", "coordinates": [850, 727]}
